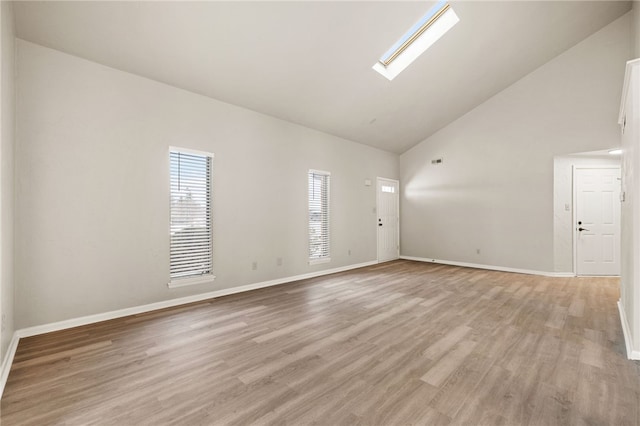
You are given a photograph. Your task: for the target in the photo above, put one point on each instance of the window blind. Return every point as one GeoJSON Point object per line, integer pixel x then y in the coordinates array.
{"type": "Point", "coordinates": [191, 248]}
{"type": "Point", "coordinates": [319, 241]}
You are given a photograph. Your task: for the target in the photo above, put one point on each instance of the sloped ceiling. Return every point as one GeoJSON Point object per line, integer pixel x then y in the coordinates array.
{"type": "Point", "coordinates": [310, 62]}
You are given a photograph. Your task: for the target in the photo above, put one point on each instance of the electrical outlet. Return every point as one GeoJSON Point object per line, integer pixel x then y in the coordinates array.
{"type": "Point", "coordinates": [279, 261]}
{"type": "Point", "coordinates": [349, 252]}
{"type": "Point", "coordinates": [254, 266]}
{"type": "Point", "coordinates": [477, 251]}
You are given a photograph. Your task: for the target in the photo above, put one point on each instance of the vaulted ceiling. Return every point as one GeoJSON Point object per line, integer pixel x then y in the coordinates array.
{"type": "Point", "coordinates": [310, 62]}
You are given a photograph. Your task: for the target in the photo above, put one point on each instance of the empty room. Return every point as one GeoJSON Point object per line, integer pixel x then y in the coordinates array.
{"type": "Point", "coordinates": [320, 212]}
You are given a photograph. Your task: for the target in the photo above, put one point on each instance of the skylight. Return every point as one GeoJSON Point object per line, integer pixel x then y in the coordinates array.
{"type": "Point", "coordinates": [438, 20]}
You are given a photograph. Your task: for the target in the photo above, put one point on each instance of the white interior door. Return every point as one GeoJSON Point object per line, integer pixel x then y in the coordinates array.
{"type": "Point", "coordinates": [597, 221]}
{"type": "Point", "coordinates": [388, 220]}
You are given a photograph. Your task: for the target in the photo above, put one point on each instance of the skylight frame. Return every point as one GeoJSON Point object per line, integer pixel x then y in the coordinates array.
{"type": "Point", "coordinates": [422, 35]}
{"type": "Point", "coordinates": [410, 36]}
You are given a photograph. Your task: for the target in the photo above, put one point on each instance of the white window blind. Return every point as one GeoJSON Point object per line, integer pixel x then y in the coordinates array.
{"type": "Point", "coordinates": [319, 242]}
{"type": "Point", "coordinates": [191, 248]}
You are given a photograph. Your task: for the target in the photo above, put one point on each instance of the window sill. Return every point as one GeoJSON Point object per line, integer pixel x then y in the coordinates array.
{"type": "Point", "coordinates": [184, 282]}
{"type": "Point", "coordinates": [318, 261]}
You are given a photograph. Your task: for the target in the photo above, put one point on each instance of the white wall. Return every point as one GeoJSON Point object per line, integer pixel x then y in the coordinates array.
{"type": "Point", "coordinates": [563, 197]}
{"type": "Point", "coordinates": [92, 173]}
{"type": "Point", "coordinates": [630, 212]}
{"type": "Point", "coordinates": [7, 127]}
{"type": "Point", "coordinates": [636, 28]}
{"type": "Point", "coordinates": [494, 191]}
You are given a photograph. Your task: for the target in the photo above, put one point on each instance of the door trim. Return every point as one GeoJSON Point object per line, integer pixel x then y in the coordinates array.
{"type": "Point", "coordinates": [397, 182]}
{"type": "Point", "coordinates": [574, 213]}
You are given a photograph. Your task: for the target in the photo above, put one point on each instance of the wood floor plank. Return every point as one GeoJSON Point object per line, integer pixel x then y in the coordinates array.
{"type": "Point", "coordinates": [438, 373]}
{"type": "Point", "coordinates": [399, 343]}
{"type": "Point", "coordinates": [442, 346]}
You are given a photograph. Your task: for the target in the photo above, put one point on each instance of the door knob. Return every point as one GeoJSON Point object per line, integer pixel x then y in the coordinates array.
{"type": "Point", "coordinates": [379, 224]}
{"type": "Point", "coordinates": [582, 229]}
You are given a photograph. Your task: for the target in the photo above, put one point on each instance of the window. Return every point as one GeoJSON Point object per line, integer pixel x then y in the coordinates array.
{"type": "Point", "coordinates": [387, 188]}
{"type": "Point", "coordinates": [319, 183]}
{"type": "Point", "coordinates": [191, 247]}
{"type": "Point", "coordinates": [437, 21]}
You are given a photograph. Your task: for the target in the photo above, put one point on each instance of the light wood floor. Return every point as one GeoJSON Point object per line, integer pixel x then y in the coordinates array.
{"type": "Point", "coordinates": [397, 343]}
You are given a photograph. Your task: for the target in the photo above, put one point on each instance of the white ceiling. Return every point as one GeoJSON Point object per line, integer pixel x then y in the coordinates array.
{"type": "Point", "coordinates": [310, 62]}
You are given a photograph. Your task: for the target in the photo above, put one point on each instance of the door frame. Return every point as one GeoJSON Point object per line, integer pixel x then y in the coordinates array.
{"type": "Point", "coordinates": [397, 182]}
{"type": "Point", "coordinates": [574, 212]}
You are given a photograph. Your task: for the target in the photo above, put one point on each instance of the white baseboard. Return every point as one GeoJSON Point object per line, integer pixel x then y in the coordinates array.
{"type": "Point", "coordinates": [626, 331]}
{"type": "Point", "coordinates": [91, 319]}
{"type": "Point", "coordinates": [7, 361]}
{"type": "Point", "coordinates": [491, 267]}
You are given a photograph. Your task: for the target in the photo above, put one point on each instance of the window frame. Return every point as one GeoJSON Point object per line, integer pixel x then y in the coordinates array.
{"type": "Point", "coordinates": [422, 26]}
{"type": "Point", "coordinates": [439, 20]}
{"type": "Point", "coordinates": [175, 282]}
{"type": "Point", "coordinates": [326, 258]}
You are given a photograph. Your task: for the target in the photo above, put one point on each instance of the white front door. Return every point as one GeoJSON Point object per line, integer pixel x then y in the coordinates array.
{"type": "Point", "coordinates": [597, 221]}
{"type": "Point", "coordinates": [388, 220]}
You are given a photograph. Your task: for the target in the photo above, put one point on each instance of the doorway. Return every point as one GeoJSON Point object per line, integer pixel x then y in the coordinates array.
{"type": "Point", "coordinates": [597, 220]}
{"type": "Point", "coordinates": [388, 223]}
